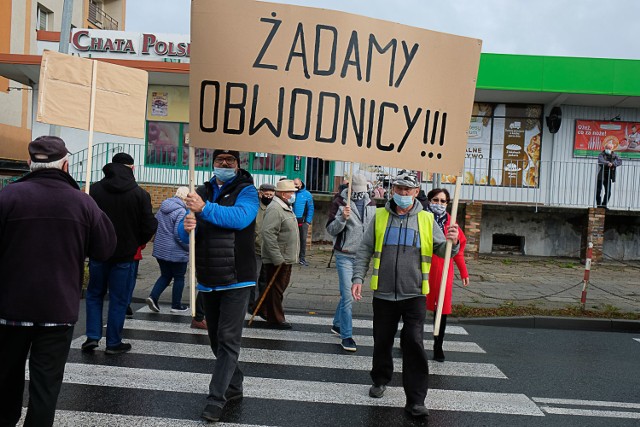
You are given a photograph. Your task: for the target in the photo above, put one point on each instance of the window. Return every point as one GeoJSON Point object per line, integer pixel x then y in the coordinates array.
{"type": "Point", "coordinates": [504, 145]}
{"type": "Point", "coordinates": [265, 162]}
{"type": "Point", "coordinates": [43, 19]}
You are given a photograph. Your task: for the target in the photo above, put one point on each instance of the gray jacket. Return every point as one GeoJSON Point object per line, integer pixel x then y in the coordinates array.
{"type": "Point", "coordinates": [399, 276]}
{"type": "Point", "coordinates": [280, 235]}
{"type": "Point", "coordinates": [347, 234]}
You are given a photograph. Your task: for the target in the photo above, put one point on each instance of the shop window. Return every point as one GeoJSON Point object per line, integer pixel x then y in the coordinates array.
{"type": "Point", "coordinates": [163, 143]}
{"type": "Point", "coordinates": [168, 146]}
{"type": "Point", "coordinates": [266, 163]}
{"type": "Point", "coordinates": [504, 145]}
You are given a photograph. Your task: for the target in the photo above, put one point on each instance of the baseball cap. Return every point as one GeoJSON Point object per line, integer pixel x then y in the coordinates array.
{"type": "Point", "coordinates": [406, 178]}
{"type": "Point", "coordinates": [123, 159]}
{"type": "Point", "coordinates": [46, 149]}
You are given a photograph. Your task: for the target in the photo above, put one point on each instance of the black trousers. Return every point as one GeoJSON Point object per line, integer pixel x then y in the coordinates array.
{"type": "Point", "coordinates": [225, 311]}
{"type": "Point", "coordinates": [49, 348]}
{"type": "Point", "coordinates": [415, 368]}
{"type": "Point", "coordinates": [603, 181]}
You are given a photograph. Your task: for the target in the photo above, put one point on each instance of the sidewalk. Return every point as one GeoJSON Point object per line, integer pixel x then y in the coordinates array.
{"type": "Point", "coordinates": [495, 280]}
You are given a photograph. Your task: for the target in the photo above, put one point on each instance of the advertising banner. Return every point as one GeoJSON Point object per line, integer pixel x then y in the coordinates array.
{"type": "Point", "coordinates": [64, 95]}
{"type": "Point", "coordinates": [592, 135]}
{"type": "Point", "coordinates": [296, 80]}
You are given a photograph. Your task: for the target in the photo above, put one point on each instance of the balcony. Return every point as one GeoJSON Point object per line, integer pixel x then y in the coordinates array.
{"type": "Point", "coordinates": [100, 18]}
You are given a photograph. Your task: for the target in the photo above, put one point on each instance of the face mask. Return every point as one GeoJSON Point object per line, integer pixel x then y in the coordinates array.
{"type": "Point", "coordinates": [438, 209]}
{"type": "Point", "coordinates": [607, 151]}
{"type": "Point", "coordinates": [292, 199]}
{"type": "Point", "coordinates": [403, 202]}
{"type": "Point", "coordinates": [266, 200]}
{"type": "Point", "coordinates": [224, 174]}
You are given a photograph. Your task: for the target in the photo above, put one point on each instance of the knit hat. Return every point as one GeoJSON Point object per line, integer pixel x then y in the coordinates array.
{"type": "Point", "coordinates": [123, 159]}
{"type": "Point", "coordinates": [359, 183]}
{"type": "Point", "coordinates": [182, 192]}
{"type": "Point", "coordinates": [234, 153]}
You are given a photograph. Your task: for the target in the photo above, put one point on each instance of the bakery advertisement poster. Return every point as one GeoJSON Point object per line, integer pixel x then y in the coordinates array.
{"type": "Point", "coordinates": [503, 146]}
{"type": "Point", "coordinates": [592, 135]}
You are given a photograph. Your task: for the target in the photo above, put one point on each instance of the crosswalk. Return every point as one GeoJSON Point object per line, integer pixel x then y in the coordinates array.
{"type": "Point", "coordinates": [292, 378]}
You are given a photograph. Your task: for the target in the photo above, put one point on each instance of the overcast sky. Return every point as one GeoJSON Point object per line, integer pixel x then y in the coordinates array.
{"type": "Point", "coordinates": [591, 28]}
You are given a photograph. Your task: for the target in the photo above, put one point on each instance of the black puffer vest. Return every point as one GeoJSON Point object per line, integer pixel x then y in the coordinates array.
{"type": "Point", "coordinates": [225, 256]}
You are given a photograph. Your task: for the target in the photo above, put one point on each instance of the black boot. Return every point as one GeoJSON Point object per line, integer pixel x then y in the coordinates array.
{"type": "Point", "coordinates": [438, 354]}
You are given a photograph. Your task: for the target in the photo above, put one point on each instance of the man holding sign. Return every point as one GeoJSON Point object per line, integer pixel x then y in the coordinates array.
{"type": "Point", "coordinates": [401, 238]}
{"type": "Point", "coordinates": [225, 210]}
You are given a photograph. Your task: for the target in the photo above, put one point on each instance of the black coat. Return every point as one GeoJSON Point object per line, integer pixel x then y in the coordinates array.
{"type": "Point", "coordinates": [128, 207]}
{"type": "Point", "coordinates": [47, 228]}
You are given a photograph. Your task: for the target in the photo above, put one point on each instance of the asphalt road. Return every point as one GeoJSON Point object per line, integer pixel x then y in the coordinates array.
{"type": "Point", "coordinates": [493, 376]}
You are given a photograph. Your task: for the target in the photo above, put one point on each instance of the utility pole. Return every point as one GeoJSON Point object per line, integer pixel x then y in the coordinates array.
{"type": "Point", "coordinates": [63, 46]}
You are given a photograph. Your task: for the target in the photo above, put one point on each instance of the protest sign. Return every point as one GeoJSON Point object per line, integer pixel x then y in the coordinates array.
{"type": "Point", "coordinates": [287, 79]}
{"type": "Point", "coordinates": [64, 95]}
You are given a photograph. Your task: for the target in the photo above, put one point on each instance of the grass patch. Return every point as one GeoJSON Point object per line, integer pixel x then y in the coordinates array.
{"type": "Point", "coordinates": [509, 309]}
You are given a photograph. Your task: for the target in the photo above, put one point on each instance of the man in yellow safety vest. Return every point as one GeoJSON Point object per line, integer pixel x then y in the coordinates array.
{"type": "Point", "coordinates": [400, 239]}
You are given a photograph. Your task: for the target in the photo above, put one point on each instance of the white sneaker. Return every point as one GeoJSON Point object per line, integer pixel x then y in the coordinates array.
{"type": "Point", "coordinates": [153, 306]}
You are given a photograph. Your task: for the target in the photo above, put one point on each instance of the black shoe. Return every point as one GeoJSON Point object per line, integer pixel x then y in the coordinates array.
{"type": "Point", "coordinates": [211, 413]}
{"type": "Point", "coordinates": [438, 354]}
{"type": "Point", "coordinates": [233, 395]}
{"type": "Point", "coordinates": [153, 305]}
{"type": "Point", "coordinates": [377, 391]}
{"type": "Point", "coordinates": [123, 347]}
{"type": "Point", "coordinates": [129, 312]}
{"type": "Point", "coordinates": [283, 325]}
{"type": "Point", "coordinates": [416, 410]}
{"type": "Point", "coordinates": [335, 330]}
{"type": "Point", "coordinates": [349, 344]}
{"type": "Point", "coordinates": [89, 345]}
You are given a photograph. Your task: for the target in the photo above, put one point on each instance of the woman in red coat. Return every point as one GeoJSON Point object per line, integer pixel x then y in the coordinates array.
{"type": "Point", "coordinates": [436, 203]}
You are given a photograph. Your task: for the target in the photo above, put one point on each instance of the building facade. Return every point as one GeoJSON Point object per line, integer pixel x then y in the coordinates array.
{"type": "Point", "coordinates": [23, 25]}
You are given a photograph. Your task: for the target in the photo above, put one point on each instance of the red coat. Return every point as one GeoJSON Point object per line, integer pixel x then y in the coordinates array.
{"type": "Point", "coordinates": [435, 274]}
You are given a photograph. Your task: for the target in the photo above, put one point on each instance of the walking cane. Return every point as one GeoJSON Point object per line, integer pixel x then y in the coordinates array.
{"type": "Point", "coordinates": [266, 291]}
{"type": "Point", "coordinates": [330, 258]}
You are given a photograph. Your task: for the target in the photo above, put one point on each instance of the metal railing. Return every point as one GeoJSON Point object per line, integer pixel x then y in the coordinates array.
{"type": "Point", "coordinates": [100, 18]}
{"type": "Point", "coordinates": [558, 183]}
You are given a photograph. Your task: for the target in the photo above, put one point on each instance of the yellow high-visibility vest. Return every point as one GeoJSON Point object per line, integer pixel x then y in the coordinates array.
{"type": "Point", "coordinates": [425, 230]}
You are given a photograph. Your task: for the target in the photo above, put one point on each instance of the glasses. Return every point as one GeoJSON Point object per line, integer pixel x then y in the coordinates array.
{"type": "Point", "coordinates": [441, 201]}
{"type": "Point", "coordinates": [219, 161]}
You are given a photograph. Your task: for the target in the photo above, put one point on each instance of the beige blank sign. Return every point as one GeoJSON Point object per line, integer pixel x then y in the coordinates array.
{"type": "Point", "coordinates": [287, 79]}
{"type": "Point", "coordinates": [64, 96]}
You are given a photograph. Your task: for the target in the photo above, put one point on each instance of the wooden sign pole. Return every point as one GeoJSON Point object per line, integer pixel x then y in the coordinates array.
{"type": "Point", "coordinates": [192, 238]}
{"type": "Point", "coordinates": [92, 110]}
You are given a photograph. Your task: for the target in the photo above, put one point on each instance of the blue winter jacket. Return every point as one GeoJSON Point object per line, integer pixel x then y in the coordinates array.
{"type": "Point", "coordinates": [304, 202]}
{"type": "Point", "coordinates": [167, 245]}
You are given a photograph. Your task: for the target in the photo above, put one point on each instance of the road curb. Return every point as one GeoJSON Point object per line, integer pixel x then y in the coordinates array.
{"type": "Point", "coordinates": [548, 322]}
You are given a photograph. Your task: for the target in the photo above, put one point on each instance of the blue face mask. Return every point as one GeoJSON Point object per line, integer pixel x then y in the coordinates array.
{"type": "Point", "coordinates": [437, 208]}
{"type": "Point", "coordinates": [403, 202]}
{"type": "Point", "coordinates": [224, 174]}
{"type": "Point", "coordinates": [292, 199]}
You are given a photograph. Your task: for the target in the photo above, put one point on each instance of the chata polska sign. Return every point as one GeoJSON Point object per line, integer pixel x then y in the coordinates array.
{"type": "Point", "coordinates": [102, 43]}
